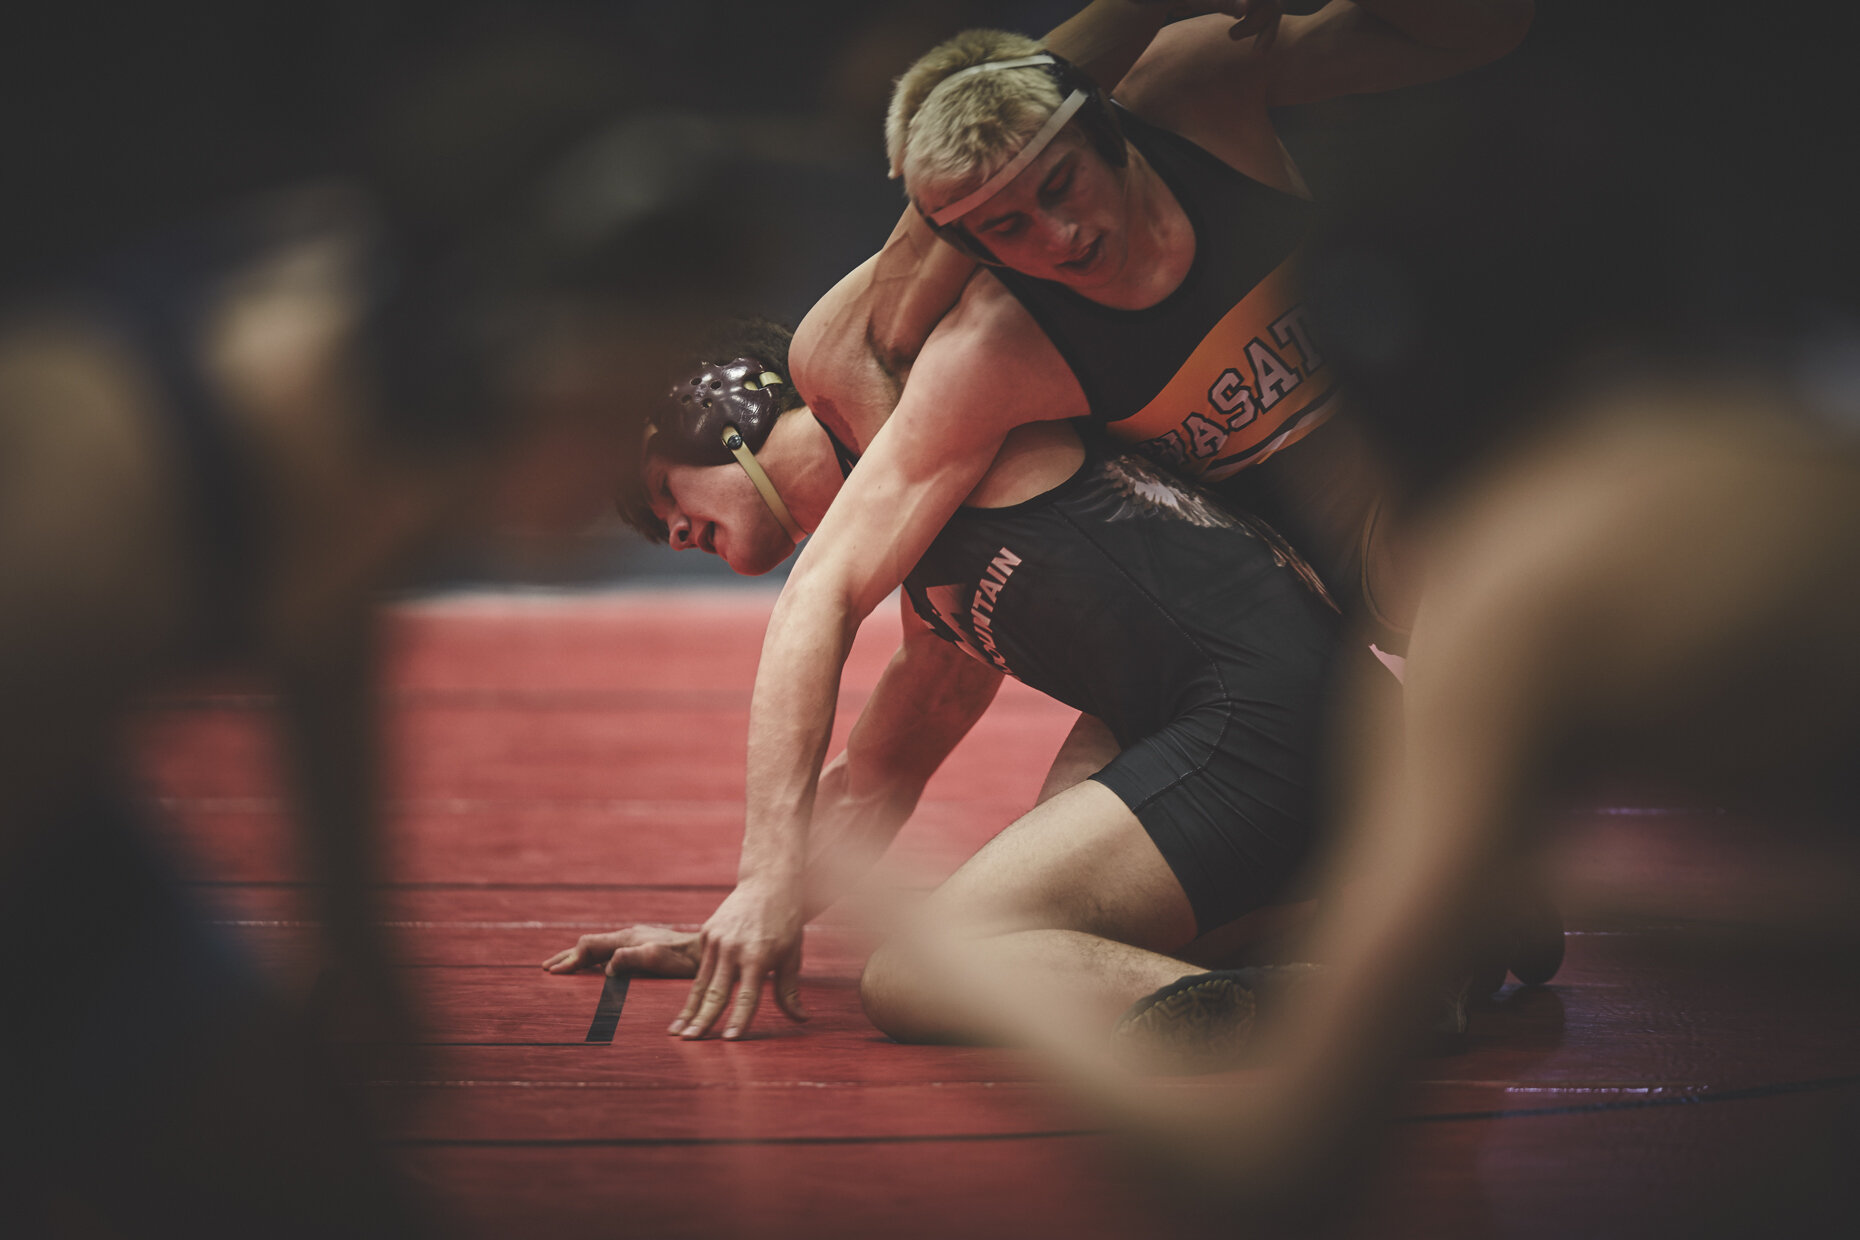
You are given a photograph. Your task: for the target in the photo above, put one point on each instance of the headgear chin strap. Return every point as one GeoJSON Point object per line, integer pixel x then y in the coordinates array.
{"type": "Point", "coordinates": [765, 486]}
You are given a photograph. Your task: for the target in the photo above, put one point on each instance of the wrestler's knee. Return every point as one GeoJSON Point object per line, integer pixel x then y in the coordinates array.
{"type": "Point", "coordinates": [887, 979]}
{"type": "Point", "coordinates": [900, 993]}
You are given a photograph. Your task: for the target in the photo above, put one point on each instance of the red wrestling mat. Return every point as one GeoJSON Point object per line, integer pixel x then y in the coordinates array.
{"type": "Point", "coordinates": [566, 765]}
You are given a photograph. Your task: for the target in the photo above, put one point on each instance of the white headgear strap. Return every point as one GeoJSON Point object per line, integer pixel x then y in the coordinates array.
{"type": "Point", "coordinates": [1026, 155]}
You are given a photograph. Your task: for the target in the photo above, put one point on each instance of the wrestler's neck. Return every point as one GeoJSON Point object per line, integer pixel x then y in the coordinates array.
{"type": "Point", "coordinates": [1159, 243]}
{"type": "Point", "coordinates": [799, 460]}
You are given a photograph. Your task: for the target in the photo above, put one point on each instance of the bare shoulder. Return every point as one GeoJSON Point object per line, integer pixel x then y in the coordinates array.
{"type": "Point", "coordinates": [833, 331]}
{"type": "Point", "coordinates": [1198, 82]}
{"type": "Point", "coordinates": [985, 367]}
{"type": "Point", "coordinates": [878, 317]}
{"type": "Point", "coordinates": [988, 362]}
{"type": "Point", "coordinates": [834, 366]}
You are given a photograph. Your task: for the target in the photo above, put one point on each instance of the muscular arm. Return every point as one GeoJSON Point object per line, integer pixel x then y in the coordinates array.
{"type": "Point", "coordinates": [929, 697]}
{"type": "Point", "coordinates": [1373, 45]}
{"type": "Point", "coordinates": [1193, 76]}
{"type": "Point", "coordinates": [968, 389]}
{"type": "Point", "coordinates": [930, 454]}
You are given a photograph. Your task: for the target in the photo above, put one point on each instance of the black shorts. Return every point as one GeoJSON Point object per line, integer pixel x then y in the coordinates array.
{"type": "Point", "coordinates": [1227, 804]}
{"type": "Point", "coordinates": [1238, 794]}
{"type": "Point", "coordinates": [1198, 639]}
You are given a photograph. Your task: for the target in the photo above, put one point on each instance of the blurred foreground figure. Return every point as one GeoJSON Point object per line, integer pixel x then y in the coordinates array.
{"type": "Point", "coordinates": [217, 452]}
{"type": "Point", "coordinates": [1617, 380]}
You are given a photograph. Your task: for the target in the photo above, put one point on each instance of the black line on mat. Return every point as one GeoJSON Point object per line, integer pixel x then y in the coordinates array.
{"type": "Point", "coordinates": [607, 1011]}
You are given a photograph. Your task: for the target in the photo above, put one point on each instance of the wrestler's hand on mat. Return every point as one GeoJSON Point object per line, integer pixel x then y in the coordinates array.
{"type": "Point", "coordinates": [1251, 17]}
{"type": "Point", "coordinates": [754, 932]}
{"type": "Point", "coordinates": [652, 951]}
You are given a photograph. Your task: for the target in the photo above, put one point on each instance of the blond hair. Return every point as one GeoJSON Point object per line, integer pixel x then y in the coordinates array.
{"type": "Point", "coordinates": [958, 136]}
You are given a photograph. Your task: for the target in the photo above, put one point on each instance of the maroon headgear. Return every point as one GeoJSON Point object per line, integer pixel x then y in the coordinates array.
{"type": "Point", "coordinates": [729, 394]}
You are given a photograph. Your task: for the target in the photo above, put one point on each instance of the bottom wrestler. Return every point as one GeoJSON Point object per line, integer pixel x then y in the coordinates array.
{"type": "Point", "coordinates": [1197, 637]}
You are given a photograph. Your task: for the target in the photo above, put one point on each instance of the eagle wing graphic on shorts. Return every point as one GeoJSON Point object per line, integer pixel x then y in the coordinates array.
{"type": "Point", "coordinates": [1144, 490]}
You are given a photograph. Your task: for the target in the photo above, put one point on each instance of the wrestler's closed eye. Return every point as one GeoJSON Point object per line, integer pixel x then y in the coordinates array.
{"type": "Point", "coordinates": [1058, 185]}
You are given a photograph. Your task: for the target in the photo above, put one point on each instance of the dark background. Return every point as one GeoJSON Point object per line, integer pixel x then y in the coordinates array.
{"type": "Point", "coordinates": [122, 120]}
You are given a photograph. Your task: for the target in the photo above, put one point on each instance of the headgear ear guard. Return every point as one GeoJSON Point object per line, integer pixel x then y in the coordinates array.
{"type": "Point", "coordinates": [726, 412]}
{"type": "Point", "coordinates": [1080, 97]}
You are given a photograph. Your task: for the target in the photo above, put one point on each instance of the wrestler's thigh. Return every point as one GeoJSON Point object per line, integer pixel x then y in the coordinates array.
{"type": "Point", "coordinates": [1080, 861]}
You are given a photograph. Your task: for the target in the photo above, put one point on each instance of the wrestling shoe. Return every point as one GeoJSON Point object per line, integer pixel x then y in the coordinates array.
{"type": "Point", "coordinates": [1203, 1022]}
